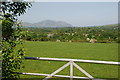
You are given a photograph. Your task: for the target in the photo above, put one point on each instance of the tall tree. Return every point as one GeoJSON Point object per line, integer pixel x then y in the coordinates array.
{"type": "Point", "coordinates": [12, 35]}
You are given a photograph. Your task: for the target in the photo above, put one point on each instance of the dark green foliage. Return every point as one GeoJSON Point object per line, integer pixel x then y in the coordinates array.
{"type": "Point", "coordinates": [12, 35]}
{"type": "Point", "coordinates": [76, 34]}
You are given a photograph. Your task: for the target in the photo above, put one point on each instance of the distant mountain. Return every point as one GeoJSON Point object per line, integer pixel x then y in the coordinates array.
{"type": "Point", "coordinates": [26, 24]}
{"type": "Point", "coordinates": [48, 23]}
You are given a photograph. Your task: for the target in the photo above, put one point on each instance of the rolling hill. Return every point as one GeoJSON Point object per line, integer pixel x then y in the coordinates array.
{"type": "Point", "coordinates": [47, 23]}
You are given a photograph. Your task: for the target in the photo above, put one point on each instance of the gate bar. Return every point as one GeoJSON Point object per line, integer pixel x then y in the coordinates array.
{"type": "Point", "coordinates": [74, 60]}
{"type": "Point", "coordinates": [64, 76]}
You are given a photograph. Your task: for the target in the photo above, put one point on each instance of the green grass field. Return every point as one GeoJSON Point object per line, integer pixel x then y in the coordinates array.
{"type": "Point", "coordinates": [89, 51]}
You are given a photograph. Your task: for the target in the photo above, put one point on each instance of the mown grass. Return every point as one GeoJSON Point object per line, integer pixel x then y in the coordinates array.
{"type": "Point", "coordinates": [89, 51]}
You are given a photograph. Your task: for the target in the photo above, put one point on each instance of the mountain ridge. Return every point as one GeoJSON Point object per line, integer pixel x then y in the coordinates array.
{"type": "Point", "coordinates": [47, 23]}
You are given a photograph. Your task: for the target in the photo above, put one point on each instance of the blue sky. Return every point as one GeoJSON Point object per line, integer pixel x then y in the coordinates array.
{"type": "Point", "coordinates": [75, 13]}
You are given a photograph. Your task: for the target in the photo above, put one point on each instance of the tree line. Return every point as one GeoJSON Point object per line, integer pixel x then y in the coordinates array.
{"type": "Point", "coordinates": [102, 34]}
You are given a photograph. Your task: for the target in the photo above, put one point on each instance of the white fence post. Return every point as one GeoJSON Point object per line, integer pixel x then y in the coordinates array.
{"type": "Point", "coordinates": [71, 70]}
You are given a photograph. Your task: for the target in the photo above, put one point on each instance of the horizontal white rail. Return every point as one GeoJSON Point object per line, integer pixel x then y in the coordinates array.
{"type": "Point", "coordinates": [64, 76]}
{"type": "Point", "coordinates": [75, 60]}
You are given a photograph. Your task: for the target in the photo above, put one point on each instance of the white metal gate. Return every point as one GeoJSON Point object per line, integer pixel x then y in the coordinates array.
{"type": "Point", "coordinates": [71, 63]}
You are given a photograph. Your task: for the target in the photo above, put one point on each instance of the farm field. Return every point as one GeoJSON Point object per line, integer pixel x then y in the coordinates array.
{"type": "Point", "coordinates": [75, 50]}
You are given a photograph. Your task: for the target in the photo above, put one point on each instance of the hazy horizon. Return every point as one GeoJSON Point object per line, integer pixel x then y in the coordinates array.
{"type": "Point", "coordinates": [74, 13]}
